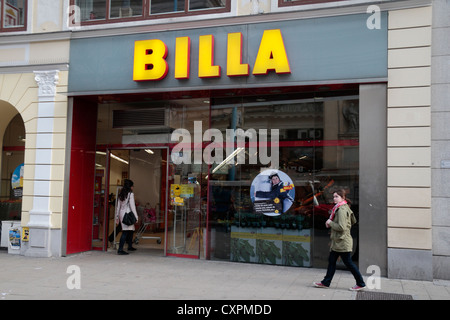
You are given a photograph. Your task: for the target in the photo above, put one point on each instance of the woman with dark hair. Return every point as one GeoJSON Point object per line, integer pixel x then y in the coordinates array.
{"type": "Point", "coordinates": [126, 204]}
{"type": "Point", "coordinates": [341, 221]}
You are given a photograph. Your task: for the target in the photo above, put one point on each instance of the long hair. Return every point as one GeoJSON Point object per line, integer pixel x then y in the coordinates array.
{"type": "Point", "coordinates": [126, 189]}
{"type": "Point", "coordinates": [343, 194]}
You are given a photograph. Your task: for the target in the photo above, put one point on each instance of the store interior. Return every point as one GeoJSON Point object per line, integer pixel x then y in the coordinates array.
{"type": "Point", "coordinates": [319, 152]}
{"type": "Point", "coordinates": [143, 167]}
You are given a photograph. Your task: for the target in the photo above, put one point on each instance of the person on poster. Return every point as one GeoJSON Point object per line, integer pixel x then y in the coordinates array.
{"type": "Point", "coordinates": [125, 204]}
{"type": "Point", "coordinates": [340, 222]}
{"type": "Point", "coordinates": [279, 192]}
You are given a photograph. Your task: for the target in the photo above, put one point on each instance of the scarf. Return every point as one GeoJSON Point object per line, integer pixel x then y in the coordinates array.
{"type": "Point", "coordinates": [333, 211]}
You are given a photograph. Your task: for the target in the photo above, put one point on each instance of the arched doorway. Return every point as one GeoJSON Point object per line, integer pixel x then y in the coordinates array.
{"type": "Point", "coordinates": [12, 142]}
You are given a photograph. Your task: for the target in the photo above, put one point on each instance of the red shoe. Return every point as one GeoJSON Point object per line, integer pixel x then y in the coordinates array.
{"type": "Point", "coordinates": [356, 288]}
{"type": "Point", "coordinates": [319, 285]}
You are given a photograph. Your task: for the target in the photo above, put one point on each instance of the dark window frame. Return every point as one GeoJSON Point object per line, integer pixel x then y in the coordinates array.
{"type": "Point", "coordinates": [148, 17]}
{"type": "Point", "coordinates": [13, 29]}
{"type": "Point", "coordinates": [281, 3]}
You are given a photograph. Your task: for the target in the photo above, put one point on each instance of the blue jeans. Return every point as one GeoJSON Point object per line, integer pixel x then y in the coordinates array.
{"type": "Point", "coordinates": [346, 258]}
{"type": "Point", "coordinates": [127, 236]}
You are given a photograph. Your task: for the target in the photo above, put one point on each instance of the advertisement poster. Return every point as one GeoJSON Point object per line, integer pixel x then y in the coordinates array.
{"type": "Point", "coordinates": [14, 239]}
{"type": "Point", "coordinates": [175, 195]}
{"type": "Point", "coordinates": [272, 193]}
{"type": "Point", "coordinates": [17, 181]}
{"type": "Point", "coordinates": [25, 234]}
{"type": "Point", "coordinates": [269, 234]}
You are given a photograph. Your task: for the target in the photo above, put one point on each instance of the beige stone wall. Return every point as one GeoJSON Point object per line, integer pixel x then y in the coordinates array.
{"type": "Point", "coordinates": [248, 7]}
{"type": "Point", "coordinates": [21, 92]}
{"type": "Point", "coordinates": [409, 129]}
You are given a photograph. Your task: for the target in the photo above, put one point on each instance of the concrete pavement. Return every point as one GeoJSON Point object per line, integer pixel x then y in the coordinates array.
{"type": "Point", "coordinates": [144, 274]}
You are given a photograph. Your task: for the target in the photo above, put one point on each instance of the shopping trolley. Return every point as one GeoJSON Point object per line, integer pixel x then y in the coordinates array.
{"type": "Point", "coordinates": [148, 218]}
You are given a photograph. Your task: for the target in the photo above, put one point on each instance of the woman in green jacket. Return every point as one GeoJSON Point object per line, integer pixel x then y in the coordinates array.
{"type": "Point", "coordinates": [340, 222]}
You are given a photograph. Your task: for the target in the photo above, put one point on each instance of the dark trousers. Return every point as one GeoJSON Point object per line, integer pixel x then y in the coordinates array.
{"type": "Point", "coordinates": [127, 236]}
{"type": "Point", "coordinates": [118, 229]}
{"type": "Point", "coordinates": [346, 258]}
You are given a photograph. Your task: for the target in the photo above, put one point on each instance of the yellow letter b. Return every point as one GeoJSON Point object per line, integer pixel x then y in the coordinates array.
{"type": "Point", "coordinates": [149, 60]}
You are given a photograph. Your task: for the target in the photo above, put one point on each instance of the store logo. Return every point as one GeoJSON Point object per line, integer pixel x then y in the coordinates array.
{"type": "Point", "coordinates": [150, 57]}
{"type": "Point", "coordinates": [235, 146]}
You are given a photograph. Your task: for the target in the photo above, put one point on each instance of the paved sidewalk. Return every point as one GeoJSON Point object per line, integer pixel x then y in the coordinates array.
{"type": "Point", "coordinates": [140, 275]}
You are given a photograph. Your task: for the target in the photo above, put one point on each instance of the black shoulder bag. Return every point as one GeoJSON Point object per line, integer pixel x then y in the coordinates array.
{"type": "Point", "coordinates": [129, 218]}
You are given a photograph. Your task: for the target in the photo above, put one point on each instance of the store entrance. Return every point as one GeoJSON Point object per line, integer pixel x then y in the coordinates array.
{"type": "Point", "coordinates": [147, 168]}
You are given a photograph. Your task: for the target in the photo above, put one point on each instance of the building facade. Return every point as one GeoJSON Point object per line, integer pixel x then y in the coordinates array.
{"type": "Point", "coordinates": [203, 103]}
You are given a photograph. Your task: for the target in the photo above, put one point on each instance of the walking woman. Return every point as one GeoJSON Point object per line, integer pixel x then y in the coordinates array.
{"type": "Point", "coordinates": [126, 204]}
{"type": "Point", "coordinates": [340, 222]}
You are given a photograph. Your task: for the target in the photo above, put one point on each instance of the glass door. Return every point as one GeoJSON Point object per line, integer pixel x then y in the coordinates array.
{"type": "Point", "coordinates": [187, 179]}
{"type": "Point", "coordinates": [186, 213]}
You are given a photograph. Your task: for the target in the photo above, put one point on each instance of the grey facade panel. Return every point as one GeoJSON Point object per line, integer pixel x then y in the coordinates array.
{"type": "Point", "coordinates": [373, 177]}
{"type": "Point", "coordinates": [327, 49]}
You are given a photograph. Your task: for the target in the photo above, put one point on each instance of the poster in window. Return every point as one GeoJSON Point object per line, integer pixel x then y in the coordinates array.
{"type": "Point", "coordinates": [272, 192]}
{"type": "Point", "coordinates": [17, 181]}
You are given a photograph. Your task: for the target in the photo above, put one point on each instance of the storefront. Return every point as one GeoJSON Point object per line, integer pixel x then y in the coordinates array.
{"type": "Point", "coordinates": [209, 121]}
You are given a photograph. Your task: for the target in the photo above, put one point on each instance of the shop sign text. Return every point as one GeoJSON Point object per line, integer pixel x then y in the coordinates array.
{"type": "Point", "coordinates": [150, 57]}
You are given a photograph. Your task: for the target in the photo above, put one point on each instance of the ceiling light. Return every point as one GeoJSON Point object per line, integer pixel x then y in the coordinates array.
{"type": "Point", "coordinates": [119, 159]}
{"type": "Point", "coordinates": [112, 156]}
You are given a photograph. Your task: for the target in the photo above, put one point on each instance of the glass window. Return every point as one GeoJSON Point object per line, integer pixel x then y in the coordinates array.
{"type": "Point", "coordinates": [13, 14]}
{"type": "Point", "coordinates": [255, 203]}
{"type": "Point", "coordinates": [126, 8]}
{"type": "Point", "coordinates": [300, 2]}
{"type": "Point", "coordinates": [92, 9]}
{"type": "Point", "coordinates": [165, 6]}
{"type": "Point", "coordinates": [318, 152]}
{"type": "Point", "coordinates": [206, 4]}
{"type": "Point", "coordinates": [106, 11]}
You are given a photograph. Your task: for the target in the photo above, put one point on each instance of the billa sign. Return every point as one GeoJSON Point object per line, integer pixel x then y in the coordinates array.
{"type": "Point", "coordinates": [150, 57]}
{"type": "Point", "coordinates": [269, 54]}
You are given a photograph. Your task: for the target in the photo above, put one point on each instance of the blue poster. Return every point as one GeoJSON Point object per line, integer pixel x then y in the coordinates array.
{"type": "Point", "coordinates": [17, 181]}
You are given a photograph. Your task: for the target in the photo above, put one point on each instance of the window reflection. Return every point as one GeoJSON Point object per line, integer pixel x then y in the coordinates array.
{"type": "Point", "coordinates": [92, 9]}
{"type": "Point", "coordinates": [165, 6]}
{"type": "Point", "coordinates": [125, 8]}
{"type": "Point", "coordinates": [318, 152]}
{"type": "Point", "coordinates": [114, 10]}
{"type": "Point", "coordinates": [13, 13]}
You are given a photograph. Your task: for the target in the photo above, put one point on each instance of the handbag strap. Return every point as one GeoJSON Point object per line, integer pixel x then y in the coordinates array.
{"type": "Point", "coordinates": [128, 201]}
